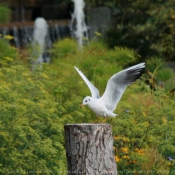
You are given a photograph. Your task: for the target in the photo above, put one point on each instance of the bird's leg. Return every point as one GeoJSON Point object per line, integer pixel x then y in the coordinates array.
{"type": "Point", "coordinates": [104, 121]}
{"type": "Point", "coordinates": [96, 119]}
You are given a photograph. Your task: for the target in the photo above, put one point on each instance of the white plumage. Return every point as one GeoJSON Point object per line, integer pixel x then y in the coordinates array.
{"type": "Point", "coordinates": [117, 84]}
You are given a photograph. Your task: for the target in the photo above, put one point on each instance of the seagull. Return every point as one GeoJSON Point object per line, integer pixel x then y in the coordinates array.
{"type": "Point", "coordinates": [116, 85]}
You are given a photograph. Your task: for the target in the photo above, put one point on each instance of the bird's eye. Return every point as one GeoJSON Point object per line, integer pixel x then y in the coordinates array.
{"type": "Point", "coordinates": [85, 100]}
{"type": "Point", "coordinates": [89, 99]}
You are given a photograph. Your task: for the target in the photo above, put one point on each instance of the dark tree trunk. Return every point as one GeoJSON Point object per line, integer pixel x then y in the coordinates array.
{"type": "Point", "coordinates": [89, 149]}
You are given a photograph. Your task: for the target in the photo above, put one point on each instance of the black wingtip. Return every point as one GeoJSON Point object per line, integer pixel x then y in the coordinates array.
{"type": "Point", "coordinates": [135, 72]}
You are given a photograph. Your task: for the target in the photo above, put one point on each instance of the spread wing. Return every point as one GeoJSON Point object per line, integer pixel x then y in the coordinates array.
{"type": "Point", "coordinates": [93, 89]}
{"type": "Point", "coordinates": [118, 83]}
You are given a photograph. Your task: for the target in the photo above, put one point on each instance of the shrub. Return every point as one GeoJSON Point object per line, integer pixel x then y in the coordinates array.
{"type": "Point", "coordinates": [35, 105]}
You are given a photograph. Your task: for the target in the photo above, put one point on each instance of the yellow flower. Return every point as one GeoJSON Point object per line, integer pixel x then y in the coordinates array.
{"type": "Point", "coordinates": [85, 39]}
{"type": "Point", "coordinates": [98, 34]}
{"type": "Point", "coordinates": [124, 150]}
{"type": "Point", "coordinates": [134, 162]}
{"type": "Point", "coordinates": [125, 139]}
{"type": "Point", "coordinates": [9, 58]}
{"type": "Point", "coordinates": [9, 37]}
{"type": "Point", "coordinates": [169, 164]}
{"type": "Point", "coordinates": [116, 137]}
{"type": "Point", "coordinates": [140, 151]}
{"type": "Point", "coordinates": [117, 159]}
{"type": "Point", "coordinates": [126, 157]}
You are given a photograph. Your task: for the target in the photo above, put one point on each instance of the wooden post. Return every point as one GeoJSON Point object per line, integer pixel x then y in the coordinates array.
{"type": "Point", "coordinates": [89, 149]}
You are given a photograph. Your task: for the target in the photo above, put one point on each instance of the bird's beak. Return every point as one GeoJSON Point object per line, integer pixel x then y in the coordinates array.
{"type": "Point", "coordinates": [81, 105]}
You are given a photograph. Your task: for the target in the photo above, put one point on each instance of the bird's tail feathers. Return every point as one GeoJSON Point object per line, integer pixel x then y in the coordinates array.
{"type": "Point", "coordinates": [113, 115]}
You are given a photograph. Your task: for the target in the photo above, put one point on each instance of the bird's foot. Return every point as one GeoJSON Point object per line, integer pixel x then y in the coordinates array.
{"type": "Point", "coordinates": [104, 121]}
{"type": "Point", "coordinates": [95, 120]}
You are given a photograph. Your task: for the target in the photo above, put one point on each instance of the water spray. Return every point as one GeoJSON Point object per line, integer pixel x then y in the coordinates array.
{"type": "Point", "coordinates": [80, 30]}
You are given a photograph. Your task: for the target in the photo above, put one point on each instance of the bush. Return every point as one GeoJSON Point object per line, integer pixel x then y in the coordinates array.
{"type": "Point", "coordinates": [146, 27]}
{"type": "Point", "coordinates": [144, 132]}
{"type": "Point", "coordinates": [35, 105]}
{"type": "Point", "coordinates": [5, 13]}
{"type": "Point", "coordinates": [6, 50]}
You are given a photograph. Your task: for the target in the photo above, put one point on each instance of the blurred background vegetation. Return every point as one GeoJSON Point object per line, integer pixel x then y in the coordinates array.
{"type": "Point", "coordinates": [146, 26]}
{"type": "Point", "coordinates": [35, 105]}
{"type": "Point", "coordinates": [4, 13]}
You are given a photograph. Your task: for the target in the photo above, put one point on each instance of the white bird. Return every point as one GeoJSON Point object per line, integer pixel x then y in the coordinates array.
{"type": "Point", "coordinates": [117, 84]}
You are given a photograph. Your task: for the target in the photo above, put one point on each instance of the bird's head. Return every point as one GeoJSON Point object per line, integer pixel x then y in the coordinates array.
{"type": "Point", "coordinates": [86, 100]}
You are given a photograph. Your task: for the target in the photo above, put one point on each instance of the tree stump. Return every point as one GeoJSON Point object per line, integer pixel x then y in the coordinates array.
{"type": "Point", "coordinates": [89, 149]}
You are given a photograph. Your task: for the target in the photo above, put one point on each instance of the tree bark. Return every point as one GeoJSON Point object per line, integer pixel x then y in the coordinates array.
{"type": "Point", "coordinates": [89, 149]}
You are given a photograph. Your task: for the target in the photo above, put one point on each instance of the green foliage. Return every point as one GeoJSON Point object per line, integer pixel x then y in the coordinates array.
{"type": "Point", "coordinates": [122, 55]}
{"type": "Point", "coordinates": [4, 13]}
{"type": "Point", "coordinates": [147, 26]}
{"type": "Point", "coordinates": [34, 51]}
{"type": "Point", "coordinates": [154, 63]}
{"type": "Point", "coordinates": [6, 50]}
{"type": "Point", "coordinates": [158, 73]}
{"type": "Point", "coordinates": [66, 46]}
{"type": "Point", "coordinates": [144, 131]}
{"type": "Point", "coordinates": [165, 74]}
{"type": "Point", "coordinates": [95, 60]}
{"type": "Point", "coordinates": [35, 105]}
{"type": "Point", "coordinates": [30, 130]}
